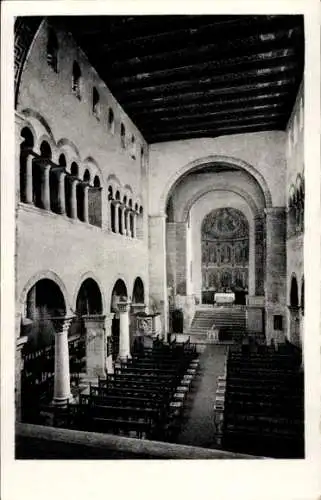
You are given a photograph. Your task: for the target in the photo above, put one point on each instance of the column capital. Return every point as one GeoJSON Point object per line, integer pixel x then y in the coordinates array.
{"type": "Point", "coordinates": [123, 306]}
{"type": "Point", "coordinates": [62, 323]}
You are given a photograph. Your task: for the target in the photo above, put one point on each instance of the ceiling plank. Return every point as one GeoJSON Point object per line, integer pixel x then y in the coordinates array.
{"type": "Point", "coordinates": [207, 81]}
{"type": "Point", "coordinates": [268, 58]}
{"type": "Point", "coordinates": [195, 96]}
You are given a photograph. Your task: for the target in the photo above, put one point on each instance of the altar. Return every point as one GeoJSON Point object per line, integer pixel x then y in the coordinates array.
{"type": "Point", "coordinates": [221, 298]}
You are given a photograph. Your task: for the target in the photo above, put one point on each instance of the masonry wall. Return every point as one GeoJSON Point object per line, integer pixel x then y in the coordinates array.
{"type": "Point", "coordinates": [265, 151]}
{"type": "Point", "coordinates": [295, 168]}
{"type": "Point", "coordinates": [50, 243]}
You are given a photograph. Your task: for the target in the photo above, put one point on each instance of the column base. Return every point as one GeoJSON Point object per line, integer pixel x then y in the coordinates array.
{"type": "Point", "coordinates": [63, 401]}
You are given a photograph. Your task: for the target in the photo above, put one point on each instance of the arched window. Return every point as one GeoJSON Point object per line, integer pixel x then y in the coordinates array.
{"type": "Point", "coordinates": [45, 150]}
{"type": "Point", "coordinates": [26, 161]}
{"type": "Point", "coordinates": [52, 50]}
{"type": "Point", "coordinates": [74, 170]}
{"type": "Point", "coordinates": [111, 121]}
{"type": "Point", "coordinates": [122, 135]}
{"type": "Point", "coordinates": [76, 80]}
{"type": "Point", "coordinates": [96, 103]}
{"type": "Point", "coordinates": [110, 193]}
{"type": "Point", "coordinates": [62, 161]}
{"type": "Point", "coordinates": [133, 148]}
{"type": "Point", "coordinates": [96, 181]}
{"type": "Point", "coordinates": [87, 175]}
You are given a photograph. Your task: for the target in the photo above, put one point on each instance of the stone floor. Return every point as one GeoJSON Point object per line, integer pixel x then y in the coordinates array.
{"type": "Point", "coordinates": [198, 419]}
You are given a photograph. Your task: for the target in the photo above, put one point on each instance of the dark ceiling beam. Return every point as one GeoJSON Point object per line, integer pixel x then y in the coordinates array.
{"type": "Point", "coordinates": [207, 81]}
{"type": "Point", "coordinates": [209, 28]}
{"type": "Point", "coordinates": [224, 112]}
{"type": "Point", "coordinates": [240, 129]}
{"type": "Point", "coordinates": [216, 104]}
{"type": "Point", "coordinates": [196, 96]}
{"type": "Point", "coordinates": [254, 118]}
{"type": "Point", "coordinates": [266, 58]}
{"type": "Point", "coordinates": [196, 52]}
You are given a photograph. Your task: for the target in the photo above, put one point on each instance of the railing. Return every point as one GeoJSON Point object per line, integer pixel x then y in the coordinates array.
{"type": "Point", "coordinates": [34, 441]}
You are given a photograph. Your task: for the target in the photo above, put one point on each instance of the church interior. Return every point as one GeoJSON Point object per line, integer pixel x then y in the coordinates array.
{"type": "Point", "coordinates": [159, 279]}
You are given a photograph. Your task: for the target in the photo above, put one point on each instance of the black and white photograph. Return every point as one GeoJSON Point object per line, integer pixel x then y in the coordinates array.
{"type": "Point", "coordinates": [159, 182]}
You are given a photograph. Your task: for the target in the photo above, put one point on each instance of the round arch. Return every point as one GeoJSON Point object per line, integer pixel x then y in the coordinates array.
{"type": "Point", "coordinates": [219, 187]}
{"type": "Point", "coordinates": [223, 160]}
{"type": "Point", "coordinates": [294, 291]}
{"type": "Point", "coordinates": [89, 298]}
{"type": "Point", "coordinates": [41, 128]}
{"type": "Point", "coordinates": [138, 295]}
{"type": "Point", "coordinates": [84, 277]}
{"type": "Point", "coordinates": [50, 275]}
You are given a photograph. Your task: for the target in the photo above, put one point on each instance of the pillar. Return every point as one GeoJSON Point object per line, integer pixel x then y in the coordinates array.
{"type": "Point", "coordinates": [134, 225]}
{"type": "Point", "coordinates": [123, 226]}
{"type": "Point", "coordinates": [124, 339]}
{"type": "Point", "coordinates": [45, 186]}
{"type": "Point", "coordinates": [128, 223]}
{"type": "Point", "coordinates": [62, 393]}
{"type": "Point", "coordinates": [116, 205]}
{"type": "Point", "coordinates": [28, 187]}
{"type": "Point", "coordinates": [96, 348]}
{"type": "Point", "coordinates": [157, 266]}
{"type": "Point", "coordinates": [109, 358]}
{"type": "Point", "coordinates": [275, 265]}
{"type": "Point", "coordinates": [61, 192]}
{"type": "Point", "coordinates": [86, 207]}
{"type": "Point", "coordinates": [73, 204]}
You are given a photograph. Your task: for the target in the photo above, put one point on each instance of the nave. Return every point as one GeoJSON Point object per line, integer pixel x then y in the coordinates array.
{"type": "Point", "coordinates": [227, 398]}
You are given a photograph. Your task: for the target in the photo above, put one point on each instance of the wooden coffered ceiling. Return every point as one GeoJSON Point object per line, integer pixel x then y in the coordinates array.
{"type": "Point", "coordinates": [181, 77]}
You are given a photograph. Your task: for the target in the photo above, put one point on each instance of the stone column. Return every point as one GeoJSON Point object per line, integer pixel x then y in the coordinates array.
{"type": "Point", "coordinates": [86, 208]}
{"type": "Point", "coordinates": [62, 393]}
{"type": "Point", "coordinates": [157, 266]}
{"type": "Point", "coordinates": [20, 342]}
{"type": "Point", "coordinates": [45, 186]}
{"type": "Point", "coordinates": [73, 204]}
{"type": "Point", "coordinates": [134, 224]}
{"type": "Point", "coordinates": [96, 348]}
{"type": "Point", "coordinates": [123, 226]}
{"type": "Point", "coordinates": [28, 193]}
{"type": "Point", "coordinates": [61, 191]}
{"type": "Point", "coordinates": [124, 339]}
{"type": "Point", "coordinates": [128, 223]}
{"type": "Point", "coordinates": [109, 359]}
{"type": "Point", "coordinates": [116, 205]}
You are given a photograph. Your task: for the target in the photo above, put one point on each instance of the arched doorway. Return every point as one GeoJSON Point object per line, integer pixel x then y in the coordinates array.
{"type": "Point", "coordinates": [119, 294]}
{"type": "Point", "coordinates": [225, 254]}
{"type": "Point", "coordinates": [294, 311]}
